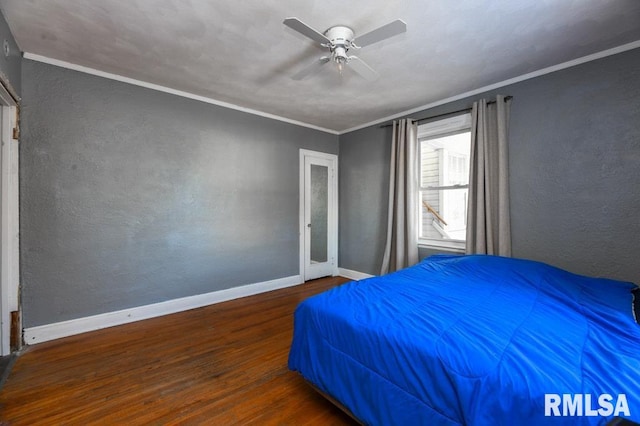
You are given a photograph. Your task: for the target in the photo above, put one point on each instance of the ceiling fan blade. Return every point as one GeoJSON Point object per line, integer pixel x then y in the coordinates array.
{"type": "Point", "coordinates": [363, 69]}
{"type": "Point", "coordinates": [310, 69]}
{"type": "Point", "coordinates": [391, 29]}
{"type": "Point", "coordinates": [305, 30]}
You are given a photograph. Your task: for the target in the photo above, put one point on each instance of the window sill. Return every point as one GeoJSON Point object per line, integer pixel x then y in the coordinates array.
{"type": "Point", "coordinates": [449, 246]}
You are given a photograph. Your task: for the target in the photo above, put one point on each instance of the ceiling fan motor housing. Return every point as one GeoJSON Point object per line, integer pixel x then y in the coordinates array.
{"type": "Point", "coordinates": [341, 39]}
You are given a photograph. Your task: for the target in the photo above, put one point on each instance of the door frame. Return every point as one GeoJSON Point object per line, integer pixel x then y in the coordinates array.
{"type": "Point", "coordinates": [9, 219]}
{"type": "Point", "coordinates": [332, 219]}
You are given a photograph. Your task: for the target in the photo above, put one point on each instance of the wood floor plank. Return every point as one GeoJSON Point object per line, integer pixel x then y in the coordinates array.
{"type": "Point", "coordinates": [222, 364]}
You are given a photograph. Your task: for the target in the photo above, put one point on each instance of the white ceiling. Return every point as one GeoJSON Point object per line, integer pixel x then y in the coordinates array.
{"type": "Point", "coordinates": [239, 52]}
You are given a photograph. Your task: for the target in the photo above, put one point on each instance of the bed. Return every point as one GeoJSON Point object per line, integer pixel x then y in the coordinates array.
{"type": "Point", "coordinates": [473, 340]}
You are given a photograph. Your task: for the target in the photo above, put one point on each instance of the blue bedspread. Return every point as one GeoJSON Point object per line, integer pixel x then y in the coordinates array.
{"type": "Point", "coordinates": [477, 340]}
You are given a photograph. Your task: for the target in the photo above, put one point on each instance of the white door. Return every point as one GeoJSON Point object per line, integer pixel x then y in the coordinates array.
{"type": "Point", "coordinates": [5, 325]}
{"type": "Point", "coordinates": [9, 236]}
{"type": "Point", "coordinates": [318, 215]}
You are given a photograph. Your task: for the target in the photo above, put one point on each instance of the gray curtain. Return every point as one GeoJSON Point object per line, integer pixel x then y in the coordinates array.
{"type": "Point", "coordinates": [401, 249]}
{"type": "Point", "coordinates": [488, 217]}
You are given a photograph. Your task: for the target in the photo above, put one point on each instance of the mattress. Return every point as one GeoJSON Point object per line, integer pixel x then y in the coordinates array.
{"type": "Point", "coordinates": [474, 340]}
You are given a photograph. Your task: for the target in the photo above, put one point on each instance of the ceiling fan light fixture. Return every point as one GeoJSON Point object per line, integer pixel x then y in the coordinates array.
{"type": "Point", "coordinates": [340, 57]}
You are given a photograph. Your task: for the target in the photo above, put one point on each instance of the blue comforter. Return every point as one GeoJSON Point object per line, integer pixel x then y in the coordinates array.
{"type": "Point", "coordinates": [475, 340]}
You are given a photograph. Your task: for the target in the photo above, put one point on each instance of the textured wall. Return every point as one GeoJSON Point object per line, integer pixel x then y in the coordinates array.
{"type": "Point", "coordinates": [574, 172]}
{"type": "Point", "coordinates": [131, 196]}
{"type": "Point", "coordinates": [10, 66]}
{"type": "Point", "coordinates": [364, 193]}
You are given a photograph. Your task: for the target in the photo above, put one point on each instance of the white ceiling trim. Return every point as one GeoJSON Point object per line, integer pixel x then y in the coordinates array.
{"type": "Point", "coordinates": [123, 79]}
{"type": "Point", "coordinates": [541, 72]}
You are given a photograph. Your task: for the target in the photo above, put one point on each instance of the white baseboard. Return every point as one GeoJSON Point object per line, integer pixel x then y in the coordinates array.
{"type": "Point", "coordinates": [353, 275]}
{"type": "Point", "coordinates": [43, 333]}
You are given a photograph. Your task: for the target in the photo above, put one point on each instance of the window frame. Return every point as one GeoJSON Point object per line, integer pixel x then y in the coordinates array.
{"type": "Point", "coordinates": [432, 130]}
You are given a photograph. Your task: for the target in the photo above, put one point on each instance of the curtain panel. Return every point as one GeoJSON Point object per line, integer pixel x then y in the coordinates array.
{"type": "Point", "coordinates": [488, 216]}
{"type": "Point", "coordinates": [401, 249]}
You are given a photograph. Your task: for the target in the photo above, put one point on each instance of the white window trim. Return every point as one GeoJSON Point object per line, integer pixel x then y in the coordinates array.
{"type": "Point", "coordinates": [443, 127]}
{"type": "Point", "coordinates": [440, 128]}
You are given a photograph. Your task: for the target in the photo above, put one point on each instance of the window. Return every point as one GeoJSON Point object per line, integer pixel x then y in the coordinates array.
{"type": "Point", "coordinates": [444, 151]}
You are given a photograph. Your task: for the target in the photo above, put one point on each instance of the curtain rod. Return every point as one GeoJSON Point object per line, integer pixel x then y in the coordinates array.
{"type": "Point", "coordinates": [446, 114]}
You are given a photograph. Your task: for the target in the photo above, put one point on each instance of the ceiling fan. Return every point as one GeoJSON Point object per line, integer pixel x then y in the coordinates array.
{"type": "Point", "coordinates": [339, 40]}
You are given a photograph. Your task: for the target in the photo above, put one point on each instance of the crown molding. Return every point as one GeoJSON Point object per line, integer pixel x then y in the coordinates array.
{"type": "Point", "coordinates": [123, 79]}
{"type": "Point", "coordinates": [528, 76]}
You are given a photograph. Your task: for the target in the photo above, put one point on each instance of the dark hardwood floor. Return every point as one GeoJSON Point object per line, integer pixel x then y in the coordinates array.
{"type": "Point", "coordinates": [222, 364]}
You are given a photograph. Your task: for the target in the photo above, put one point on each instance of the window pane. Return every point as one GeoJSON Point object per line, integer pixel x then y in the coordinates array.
{"type": "Point", "coordinates": [443, 214]}
{"type": "Point", "coordinates": [319, 217]}
{"type": "Point", "coordinates": [445, 148]}
{"type": "Point", "coordinates": [445, 161]}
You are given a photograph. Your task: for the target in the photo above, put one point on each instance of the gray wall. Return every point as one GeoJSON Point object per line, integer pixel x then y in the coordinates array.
{"type": "Point", "coordinates": [131, 196]}
{"type": "Point", "coordinates": [10, 66]}
{"type": "Point", "coordinates": [363, 196]}
{"type": "Point", "coordinates": [574, 172]}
